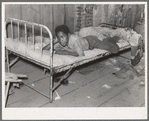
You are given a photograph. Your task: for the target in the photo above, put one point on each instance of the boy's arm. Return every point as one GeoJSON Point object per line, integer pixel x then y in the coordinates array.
{"type": "Point", "coordinates": [48, 46]}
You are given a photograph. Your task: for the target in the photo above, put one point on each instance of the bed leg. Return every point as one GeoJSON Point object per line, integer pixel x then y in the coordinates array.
{"type": "Point", "coordinates": [51, 87]}
{"type": "Point", "coordinates": [8, 83]}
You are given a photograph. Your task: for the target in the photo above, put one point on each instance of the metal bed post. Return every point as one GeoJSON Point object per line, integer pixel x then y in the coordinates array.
{"type": "Point", "coordinates": [51, 69]}
{"type": "Point", "coordinates": [11, 29]}
{"type": "Point", "coordinates": [8, 83]}
{"type": "Point", "coordinates": [41, 39]}
{"type": "Point", "coordinates": [33, 36]}
{"type": "Point", "coordinates": [26, 38]}
{"type": "Point", "coordinates": [18, 31]}
{"type": "Point", "coordinates": [8, 67]}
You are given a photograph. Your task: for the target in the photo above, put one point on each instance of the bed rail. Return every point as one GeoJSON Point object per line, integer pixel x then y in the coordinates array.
{"type": "Point", "coordinates": [109, 26]}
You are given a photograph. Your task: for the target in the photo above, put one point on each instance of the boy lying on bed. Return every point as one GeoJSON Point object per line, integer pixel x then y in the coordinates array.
{"type": "Point", "coordinates": [72, 44]}
{"type": "Point", "coordinates": [95, 37]}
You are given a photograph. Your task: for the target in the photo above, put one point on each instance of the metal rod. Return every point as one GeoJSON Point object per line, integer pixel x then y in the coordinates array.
{"type": "Point", "coordinates": [41, 38]}
{"type": "Point", "coordinates": [33, 36]}
{"type": "Point", "coordinates": [64, 77]}
{"type": "Point", "coordinates": [125, 57]}
{"type": "Point", "coordinates": [8, 83]}
{"type": "Point", "coordinates": [11, 29]}
{"type": "Point", "coordinates": [26, 39]}
{"type": "Point", "coordinates": [7, 91]}
{"type": "Point", "coordinates": [18, 31]}
{"type": "Point", "coordinates": [14, 61]}
{"type": "Point", "coordinates": [25, 34]}
{"type": "Point", "coordinates": [51, 87]}
{"type": "Point", "coordinates": [51, 60]}
{"type": "Point", "coordinates": [7, 56]}
{"type": "Point", "coordinates": [31, 23]}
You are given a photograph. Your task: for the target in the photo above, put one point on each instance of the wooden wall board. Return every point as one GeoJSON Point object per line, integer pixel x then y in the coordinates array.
{"type": "Point", "coordinates": [126, 15]}
{"type": "Point", "coordinates": [47, 16]}
{"type": "Point", "coordinates": [75, 16]}
{"type": "Point", "coordinates": [69, 18]}
{"type": "Point", "coordinates": [12, 11]}
{"type": "Point", "coordinates": [58, 11]}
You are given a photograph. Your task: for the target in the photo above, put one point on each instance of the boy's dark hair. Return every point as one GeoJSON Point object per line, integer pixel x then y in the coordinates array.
{"type": "Point", "coordinates": [62, 28]}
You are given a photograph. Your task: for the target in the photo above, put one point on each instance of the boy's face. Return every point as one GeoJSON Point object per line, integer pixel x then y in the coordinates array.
{"type": "Point", "coordinates": [62, 38]}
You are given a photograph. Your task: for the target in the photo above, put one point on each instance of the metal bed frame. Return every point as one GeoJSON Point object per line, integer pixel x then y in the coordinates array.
{"type": "Point", "coordinates": [50, 68]}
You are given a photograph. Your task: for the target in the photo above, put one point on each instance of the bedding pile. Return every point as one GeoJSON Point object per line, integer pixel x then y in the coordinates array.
{"type": "Point", "coordinates": [102, 32]}
{"type": "Point", "coordinates": [131, 36]}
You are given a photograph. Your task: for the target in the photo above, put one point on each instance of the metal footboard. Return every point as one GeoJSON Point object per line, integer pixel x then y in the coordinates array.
{"type": "Point", "coordinates": [12, 22]}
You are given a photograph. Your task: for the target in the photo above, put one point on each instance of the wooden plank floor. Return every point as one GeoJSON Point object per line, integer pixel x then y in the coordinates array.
{"type": "Point", "coordinates": [85, 88]}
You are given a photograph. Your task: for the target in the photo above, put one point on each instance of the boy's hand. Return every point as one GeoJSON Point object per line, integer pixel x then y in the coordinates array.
{"type": "Point", "coordinates": [55, 40]}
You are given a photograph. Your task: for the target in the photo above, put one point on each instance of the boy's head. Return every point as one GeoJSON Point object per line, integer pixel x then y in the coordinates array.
{"type": "Point", "coordinates": [62, 33]}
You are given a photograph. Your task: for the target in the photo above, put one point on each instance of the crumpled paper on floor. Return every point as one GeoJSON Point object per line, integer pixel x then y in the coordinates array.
{"type": "Point", "coordinates": [106, 86]}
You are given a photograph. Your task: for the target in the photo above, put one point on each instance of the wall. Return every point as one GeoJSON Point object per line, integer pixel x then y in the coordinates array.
{"type": "Point", "coordinates": [49, 15]}
{"type": "Point", "coordinates": [126, 15]}
{"type": "Point", "coordinates": [83, 16]}
{"type": "Point", "coordinates": [53, 15]}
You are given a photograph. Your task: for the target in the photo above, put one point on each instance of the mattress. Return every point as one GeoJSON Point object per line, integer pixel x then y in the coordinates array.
{"type": "Point", "coordinates": [35, 53]}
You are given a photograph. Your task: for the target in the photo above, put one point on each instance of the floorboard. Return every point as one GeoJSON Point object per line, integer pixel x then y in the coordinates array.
{"type": "Point", "coordinates": [90, 86]}
{"type": "Point", "coordinates": [132, 96]}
